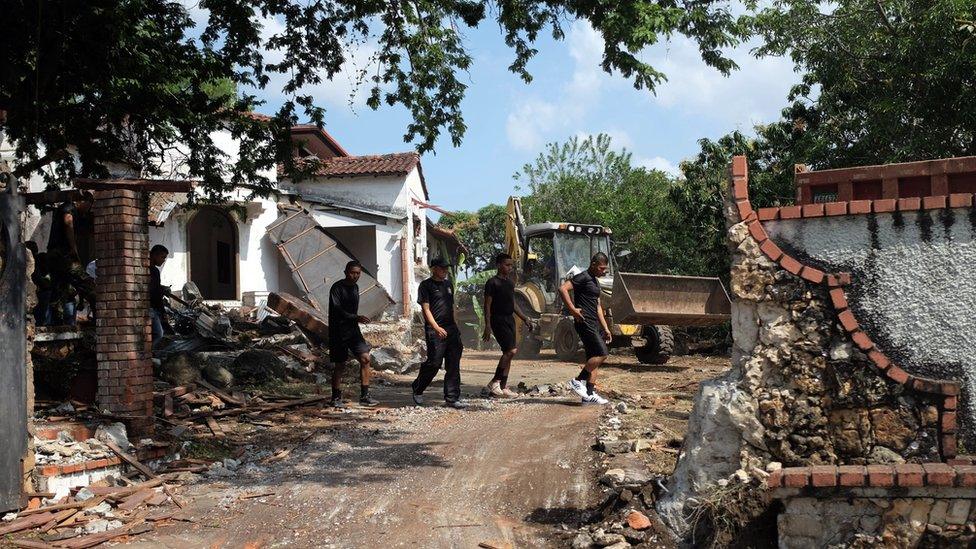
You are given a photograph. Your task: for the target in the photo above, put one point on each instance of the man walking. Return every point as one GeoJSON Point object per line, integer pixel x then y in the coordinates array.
{"type": "Point", "coordinates": [345, 337]}
{"type": "Point", "coordinates": [590, 324]}
{"type": "Point", "coordinates": [436, 299]}
{"type": "Point", "coordinates": [157, 307]}
{"type": "Point", "coordinates": [499, 311]}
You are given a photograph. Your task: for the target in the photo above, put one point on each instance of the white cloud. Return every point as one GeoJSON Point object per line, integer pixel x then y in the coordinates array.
{"type": "Point", "coordinates": [754, 93]}
{"type": "Point", "coordinates": [658, 163]}
{"type": "Point", "coordinates": [530, 122]}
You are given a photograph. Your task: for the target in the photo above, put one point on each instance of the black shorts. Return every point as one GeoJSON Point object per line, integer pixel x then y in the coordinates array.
{"type": "Point", "coordinates": [340, 349]}
{"type": "Point", "coordinates": [591, 336]}
{"type": "Point", "coordinates": [503, 328]}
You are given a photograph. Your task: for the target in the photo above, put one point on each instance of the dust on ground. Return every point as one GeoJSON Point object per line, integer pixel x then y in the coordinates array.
{"type": "Point", "coordinates": [519, 473]}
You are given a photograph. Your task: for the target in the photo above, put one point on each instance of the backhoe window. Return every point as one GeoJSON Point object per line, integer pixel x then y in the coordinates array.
{"type": "Point", "coordinates": [574, 251]}
{"type": "Point", "coordinates": [541, 269]}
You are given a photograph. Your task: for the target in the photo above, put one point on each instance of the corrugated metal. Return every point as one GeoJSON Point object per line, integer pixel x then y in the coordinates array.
{"type": "Point", "coordinates": [317, 261]}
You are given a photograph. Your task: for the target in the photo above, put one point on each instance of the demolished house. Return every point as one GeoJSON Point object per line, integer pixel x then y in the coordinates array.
{"type": "Point", "coordinates": [99, 402]}
{"type": "Point", "coordinates": [851, 392]}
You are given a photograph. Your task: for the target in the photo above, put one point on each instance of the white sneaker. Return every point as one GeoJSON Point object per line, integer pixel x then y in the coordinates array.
{"type": "Point", "coordinates": [495, 389]}
{"type": "Point", "coordinates": [578, 387]}
{"type": "Point", "coordinates": [595, 399]}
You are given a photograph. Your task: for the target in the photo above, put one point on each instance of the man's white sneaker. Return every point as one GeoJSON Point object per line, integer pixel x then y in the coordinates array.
{"type": "Point", "coordinates": [578, 387]}
{"type": "Point", "coordinates": [594, 399]}
{"type": "Point", "coordinates": [495, 390]}
{"type": "Point", "coordinates": [510, 393]}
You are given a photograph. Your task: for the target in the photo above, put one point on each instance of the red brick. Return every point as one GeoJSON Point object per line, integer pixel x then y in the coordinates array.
{"type": "Point", "coordinates": [768, 214]}
{"type": "Point", "coordinates": [879, 359]}
{"type": "Point", "coordinates": [813, 275]}
{"type": "Point", "coordinates": [950, 403]}
{"type": "Point", "coordinates": [949, 445]}
{"type": "Point", "coordinates": [796, 477]}
{"type": "Point", "coordinates": [966, 476]}
{"type": "Point", "coordinates": [949, 423]}
{"type": "Point", "coordinates": [885, 205]}
{"type": "Point", "coordinates": [897, 375]}
{"type": "Point", "coordinates": [859, 207]}
{"type": "Point", "coordinates": [909, 204]}
{"type": "Point", "coordinates": [790, 212]}
{"type": "Point", "coordinates": [933, 202]}
{"type": "Point", "coordinates": [745, 209]}
{"type": "Point", "coordinates": [949, 388]}
{"type": "Point", "coordinates": [790, 264]}
{"type": "Point", "coordinates": [823, 476]}
{"type": "Point", "coordinates": [838, 298]}
{"type": "Point", "coordinates": [739, 166]}
{"type": "Point", "coordinates": [72, 468]}
{"type": "Point", "coordinates": [909, 475]}
{"type": "Point", "coordinates": [813, 210]}
{"type": "Point", "coordinates": [852, 475]}
{"type": "Point", "coordinates": [939, 474]}
{"type": "Point", "coordinates": [927, 386]}
{"type": "Point", "coordinates": [847, 320]}
{"type": "Point", "coordinates": [835, 208]}
{"type": "Point", "coordinates": [881, 475]}
{"type": "Point", "coordinates": [775, 479]}
{"type": "Point", "coordinates": [48, 470]}
{"type": "Point", "coordinates": [771, 250]}
{"type": "Point", "coordinates": [740, 188]}
{"type": "Point", "coordinates": [844, 279]}
{"type": "Point", "coordinates": [862, 341]}
{"type": "Point", "coordinates": [757, 231]}
{"type": "Point", "coordinates": [960, 200]}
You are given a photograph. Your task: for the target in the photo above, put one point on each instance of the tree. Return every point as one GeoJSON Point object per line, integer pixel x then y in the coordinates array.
{"type": "Point", "coordinates": [133, 80]}
{"type": "Point", "coordinates": [482, 232]}
{"type": "Point", "coordinates": [883, 80]}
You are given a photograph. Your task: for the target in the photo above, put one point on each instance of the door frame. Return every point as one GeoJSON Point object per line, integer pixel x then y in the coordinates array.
{"type": "Point", "coordinates": [237, 247]}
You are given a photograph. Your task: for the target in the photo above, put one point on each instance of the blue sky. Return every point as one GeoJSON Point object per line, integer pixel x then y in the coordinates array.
{"type": "Point", "coordinates": [509, 122]}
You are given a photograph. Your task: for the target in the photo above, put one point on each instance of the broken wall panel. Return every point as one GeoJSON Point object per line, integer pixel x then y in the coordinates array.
{"type": "Point", "coordinates": [13, 342]}
{"type": "Point", "coordinates": [317, 261]}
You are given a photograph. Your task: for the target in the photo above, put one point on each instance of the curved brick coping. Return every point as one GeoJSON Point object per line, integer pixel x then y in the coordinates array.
{"type": "Point", "coordinates": [906, 475]}
{"type": "Point", "coordinates": [861, 207]}
{"type": "Point", "coordinates": [836, 282]}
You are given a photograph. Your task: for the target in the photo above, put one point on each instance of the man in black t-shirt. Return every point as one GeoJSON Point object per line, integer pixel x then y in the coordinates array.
{"type": "Point", "coordinates": [345, 336]}
{"type": "Point", "coordinates": [64, 256]}
{"type": "Point", "coordinates": [590, 324]}
{"type": "Point", "coordinates": [436, 298]}
{"type": "Point", "coordinates": [157, 306]}
{"type": "Point", "coordinates": [499, 314]}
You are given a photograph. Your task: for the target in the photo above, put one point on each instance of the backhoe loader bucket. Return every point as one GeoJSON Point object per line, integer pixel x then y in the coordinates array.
{"type": "Point", "coordinates": [647, 299]}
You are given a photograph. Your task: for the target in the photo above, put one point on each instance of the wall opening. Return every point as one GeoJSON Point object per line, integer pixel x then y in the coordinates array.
{"type": "Point", "coordinates": [212, 235]}
{"type": "Point", "coordinates": [361, 243]}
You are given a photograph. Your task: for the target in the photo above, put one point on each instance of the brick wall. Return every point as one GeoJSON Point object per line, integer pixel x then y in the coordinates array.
{"type": "Point", "coordinates": [123, 333]}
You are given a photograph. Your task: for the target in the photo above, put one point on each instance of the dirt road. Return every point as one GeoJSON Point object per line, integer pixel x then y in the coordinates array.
{"type": "Point", "coordinates": [402, 476]}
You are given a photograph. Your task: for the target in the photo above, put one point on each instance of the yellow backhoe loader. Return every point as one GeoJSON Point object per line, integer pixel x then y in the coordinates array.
{"type": "Point", "coordinates": [640, 308]}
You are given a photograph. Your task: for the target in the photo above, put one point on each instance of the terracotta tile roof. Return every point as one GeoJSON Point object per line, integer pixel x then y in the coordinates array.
{"type": "Point", "coordinates": [382, 164]}
{"type": "Point", "coordinates": [159, 203]}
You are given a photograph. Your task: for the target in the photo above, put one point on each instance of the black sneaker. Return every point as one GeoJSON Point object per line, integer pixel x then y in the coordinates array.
{"type": "Point", "coordinates": [368, 402]}
{"type": "Point", "coordinates": [418, 399]}
{"type": "Point", "coordinates": [456, 404]}
{"type": "Point", "coordinates": [337, 402]}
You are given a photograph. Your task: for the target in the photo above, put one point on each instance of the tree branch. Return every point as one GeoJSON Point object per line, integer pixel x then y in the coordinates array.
{"type": "Point", "coordinates": [34, 165]}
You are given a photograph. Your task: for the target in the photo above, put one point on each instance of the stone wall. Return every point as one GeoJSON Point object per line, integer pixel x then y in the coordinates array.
{"type": "Point", "coordinates": [123, 333]}
{"type": "Point", "coordinates": [807, 385]}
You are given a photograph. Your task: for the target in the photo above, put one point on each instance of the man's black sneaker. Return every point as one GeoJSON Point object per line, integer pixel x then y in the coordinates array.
{"type": "Point", "coordinates": [456, 404]}
{"type": "Point", "coordinates": [368, 402]}
{"type": "Point", "coordinates": [418, 399]}
{"type": "Point", "coordinates": [337, 403]}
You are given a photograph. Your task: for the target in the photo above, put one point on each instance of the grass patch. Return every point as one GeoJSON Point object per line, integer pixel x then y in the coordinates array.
{"type": "Point", "coordinates": [209, 450]}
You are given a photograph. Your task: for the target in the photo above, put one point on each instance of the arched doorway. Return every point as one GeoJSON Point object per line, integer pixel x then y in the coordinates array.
{"type": "Point", "coordinates": [213, 254]}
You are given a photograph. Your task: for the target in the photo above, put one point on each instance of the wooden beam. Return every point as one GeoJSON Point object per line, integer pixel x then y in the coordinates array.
{"type": "Point", "coordinates": [155, 185]}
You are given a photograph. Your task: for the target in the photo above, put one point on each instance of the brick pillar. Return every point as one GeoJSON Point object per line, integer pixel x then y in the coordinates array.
{"type": "Point", "coordinates": [123, 332]}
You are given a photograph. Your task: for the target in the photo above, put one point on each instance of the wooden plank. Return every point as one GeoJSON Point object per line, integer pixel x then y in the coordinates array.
{"type": "Point", "coordinates": [30, 544]}
{"type": "Point", "coordinates": [220, 394]}
{"type": "Point", "coordinates": [214, 427]}
{"type": "Point", "coordinates": [24, 523]}
{"type": "Point", "coordinates": [131, 460]}
{"type": "Point", "coordinates": [122, 491]}
{"type": "Point", "coordinates": [155, 185]}
{"type": "Point", "coordinates": [137, 499]}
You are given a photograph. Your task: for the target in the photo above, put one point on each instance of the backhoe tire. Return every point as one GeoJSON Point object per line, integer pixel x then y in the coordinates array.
{"type": "Point", "coordinates": [659, 347]}
{"type": "Point", "coordinates": [565, 340]}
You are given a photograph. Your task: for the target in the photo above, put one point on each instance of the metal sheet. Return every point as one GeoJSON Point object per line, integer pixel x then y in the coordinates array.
{"type": "Point", "coordinates": [317, 261]}
{"type": "Point", "coordinates": [13, 378]}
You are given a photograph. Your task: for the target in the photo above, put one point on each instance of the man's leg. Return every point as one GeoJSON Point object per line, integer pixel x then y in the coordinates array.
{"type": "Point", "coordinates": [157, 325]}
{"type": "Point", "coordinates": [435, 355]}
{"type": "Point", "coordinates": [337, 369]}
{"type": "Point", "coordinates": [452, 366]}
{"type": "Point", "coordinates": [589, 370]}
{"type": "Point", "coordinates": [365, 371]}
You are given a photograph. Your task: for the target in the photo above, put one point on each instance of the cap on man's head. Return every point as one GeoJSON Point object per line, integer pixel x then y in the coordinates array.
{"type": "Point", "coordinates": [440, 262]}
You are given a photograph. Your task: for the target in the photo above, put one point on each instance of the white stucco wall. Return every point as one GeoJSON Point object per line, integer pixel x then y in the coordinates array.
{"type": "Point", "coordinates": [914, 283]}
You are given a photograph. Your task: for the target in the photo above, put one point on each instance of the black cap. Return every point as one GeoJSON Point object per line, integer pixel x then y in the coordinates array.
{"type": "Point", "coordinates": [439, 262]}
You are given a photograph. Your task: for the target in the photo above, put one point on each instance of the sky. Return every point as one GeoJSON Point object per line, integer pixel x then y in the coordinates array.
{"type": "Point", "coordinates": [510, 122]}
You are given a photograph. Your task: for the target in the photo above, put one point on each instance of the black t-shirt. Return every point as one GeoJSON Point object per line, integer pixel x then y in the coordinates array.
{"type": "Point", "coordinates": [440, 297]}
{"type": "Point", "coordinates": [586, 294]}
{"type": "Point", "coordinates": [343, 307]}
{"type": "Point", "coordinates": [155, 290]}
{"type": "Point", "coordinates": [59, 238]}
{"type": "Point", "coordinates": [502, 293]}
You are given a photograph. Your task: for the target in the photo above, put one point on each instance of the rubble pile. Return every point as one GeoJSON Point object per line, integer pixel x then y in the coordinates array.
{"type": "Point", "coordinates": [65, 450]}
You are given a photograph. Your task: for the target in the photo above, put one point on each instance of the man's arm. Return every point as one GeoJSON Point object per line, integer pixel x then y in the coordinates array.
{"type": "Point", "coordinates": [525, 319]}
{"type": "Point", "coordinates": [69, 234]}
{"type": "Point", "coordinates": [564, 293]}
{"type": "Point", "coordinates": [603, 321]}
{"type": "Point", "coordinates": [335, 304]}
{"type": "Point", "coordinates": [486, 334]}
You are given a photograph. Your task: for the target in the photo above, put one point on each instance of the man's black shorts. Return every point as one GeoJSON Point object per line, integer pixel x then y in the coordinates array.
{"type": "Point", "coordinates": [590, 334]}
{"type": "Point", "coordinates": [340, 349]}
{"type": "Point", "coordinates": [503, 327]}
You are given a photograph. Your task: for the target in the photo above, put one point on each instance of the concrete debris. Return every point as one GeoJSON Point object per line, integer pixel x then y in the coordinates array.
{"type": "Point", "coordinates": [622, 407]}
{"type": "Point", "coordinates": [114, 433]}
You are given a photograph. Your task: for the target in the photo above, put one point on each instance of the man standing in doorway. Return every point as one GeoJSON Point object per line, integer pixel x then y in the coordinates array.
{"type": "Point", "coordinates": [64, 255]}
{"type": "Point", "coordinates": [500, 311]}
{"type": "Point", "coordinates": [157, 307]}
{"type": "Point", "coordinates": [345, 337]}
{"type": "Point", "coordinates": [436, 298]}
{"type": "Point", "coordinates": [590, 324]}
